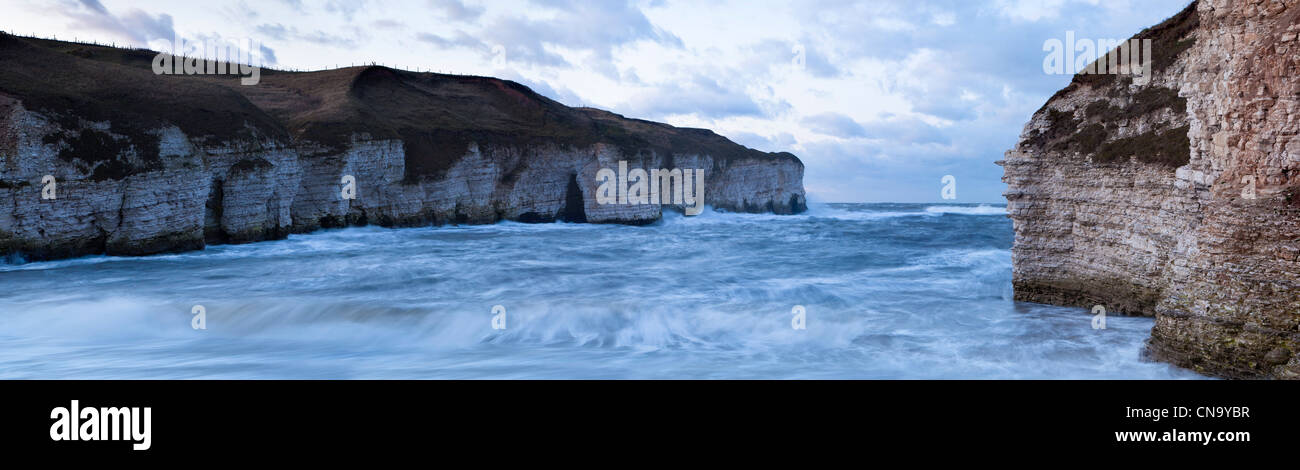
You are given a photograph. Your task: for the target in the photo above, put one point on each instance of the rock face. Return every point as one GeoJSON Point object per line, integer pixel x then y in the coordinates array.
{"type": "Point", "coordinates": [1179, 198]}
{"type": "Point", "coordinates": [146, 164]}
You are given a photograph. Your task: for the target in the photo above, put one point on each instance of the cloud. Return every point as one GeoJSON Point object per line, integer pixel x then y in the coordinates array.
{"type": "Point", "coordinates": [456, 10]}
{"type": "Point", "coordinates": [134, 26]}
{"type": "Point", "coordinates": [295, 5]}
{"type": "Point", "coordinates": [834, 124]}
{"type": "Point", "coordinates": [808, 54]}
{"type": "Point", "coordinates": [594, 28]}
{"type": "Point", "coordinates": [280, 32]}
{"type": "Point", "coordinates": [1030, 10]}
{"type": "Point", "coordinates": [700, 95]}
{"type": "Point", "coordinates": [345, 8]}
{"type": "Point", "coordinates": [387, 24]}
{"type": "Point", "coordinates": [906, 131]}
{"type": "Point", "coordinates": [274, 31]}
{"type": "Point", "coordinates": [268, 55]}
{"type": "Point", "coordinates": [459, 40]}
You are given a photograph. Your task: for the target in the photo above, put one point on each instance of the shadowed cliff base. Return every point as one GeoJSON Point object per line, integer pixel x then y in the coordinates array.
{"type": "Point", "coordinates": [1118, 296]}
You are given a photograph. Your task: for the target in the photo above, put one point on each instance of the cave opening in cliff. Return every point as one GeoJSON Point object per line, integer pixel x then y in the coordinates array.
{"type": "Point", "coordinates": [573, 210]}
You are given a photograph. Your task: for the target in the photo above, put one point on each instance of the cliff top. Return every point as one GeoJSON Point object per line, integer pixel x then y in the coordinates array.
{"type": "Point", "coordinates": [436, 115]}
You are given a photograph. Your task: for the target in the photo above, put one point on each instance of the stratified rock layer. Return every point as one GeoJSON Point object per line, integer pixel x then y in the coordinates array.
{"type": "Point", "coordinates": [147, 164]}
{"type": "Point", "coordinates": [1179, 198]}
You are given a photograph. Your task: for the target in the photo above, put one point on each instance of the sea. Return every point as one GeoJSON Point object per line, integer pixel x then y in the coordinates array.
{"type": "Point", "coordinates": [843, 291]}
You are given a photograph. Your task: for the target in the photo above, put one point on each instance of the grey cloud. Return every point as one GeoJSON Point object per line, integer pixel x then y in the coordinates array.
{"type": "Point", "coordinates": [898, 131]}
{"type": "Point", "coordinates": [95, 6]}
{"type": "Point", "coordinates": [268, 55]}
{"type": "Point", "coordinates": [273, 31]}
{"type": "Point", "coordinates": [456, 10]}
{"type": "Point", "coordinates": [460, 39]}
{"type": "Point", "coordinates": [598, 28]}
{"type": "Point", "coordinates": [329, 39]}
{"type": "Point", "coordinates": [387, 24]}
{"type": "Point", "coordinates": [524, 41]}
{"type": "Point", "coordinates": [281, 32]}
{"type": "Point", "coordinates": [834, 124]}
{"type": "Point", "coordinates": [346, 8]}
{"type": "Point", "coordinates": [701, 96]}
{"type": "Point", "coordinates": [240, 12]}
{"type": "Point", "coordinates": [134, 26]}
{"type": "Point", "coordinates": [770, 53]}
{"type": "Point", "coordinates": [294, 4]}
{"type": "Point", "coordinates": [906, 131]}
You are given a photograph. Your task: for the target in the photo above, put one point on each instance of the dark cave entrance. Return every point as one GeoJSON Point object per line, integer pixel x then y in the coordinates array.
{"type": "Point", "coordinates": [574, 210]}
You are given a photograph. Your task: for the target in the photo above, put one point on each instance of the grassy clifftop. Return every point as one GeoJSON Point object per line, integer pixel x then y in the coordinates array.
{"type": "Point", "coordinates": [436, 116]}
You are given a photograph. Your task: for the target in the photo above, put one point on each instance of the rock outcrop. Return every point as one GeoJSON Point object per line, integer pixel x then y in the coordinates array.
{"type": "Point", "coordinates": [144, 163]}
{"type": "Point", "coordinates": [1179, 198]}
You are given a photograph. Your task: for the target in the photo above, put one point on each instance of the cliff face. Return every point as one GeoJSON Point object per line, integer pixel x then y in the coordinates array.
{"type": "Point", "coordinates": [1178, 199]}
{"type": "Point", "coordinates": [146, 163]}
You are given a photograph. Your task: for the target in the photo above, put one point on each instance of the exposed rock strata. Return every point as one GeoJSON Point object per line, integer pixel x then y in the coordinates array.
{"type": "Point", "coordinates": [1139, 198]}
{"type": "Point", "coordinates": [147, 164]}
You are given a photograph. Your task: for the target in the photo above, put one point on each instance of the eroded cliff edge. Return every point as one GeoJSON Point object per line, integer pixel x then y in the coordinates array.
{"type": "Point", "coordinates": [147, 163]}
{"type": "Point", "coordinates": [1179, 199]}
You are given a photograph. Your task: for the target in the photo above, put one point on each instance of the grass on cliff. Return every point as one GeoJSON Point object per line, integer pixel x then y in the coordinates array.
{"type": "Point", "coordinates": [1091, 133]}
{"type": "Point", "coordinates": [63, 82]}
{"type": "Point", "coordinates": [69, 81]}
{"type": "Point", "coordinates": [1169, 39]}
{"type": "Point", "coordinates": [1170, 148]}
{"type": "Point", "coordinates": [1065, 133]}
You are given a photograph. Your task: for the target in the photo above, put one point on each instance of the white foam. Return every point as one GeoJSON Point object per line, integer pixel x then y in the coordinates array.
{"type": "Point", "coordinates": [967, 210]}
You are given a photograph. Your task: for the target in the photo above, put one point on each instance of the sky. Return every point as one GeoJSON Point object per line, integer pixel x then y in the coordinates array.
{"type": "Point", "coordinates": [879, 98]}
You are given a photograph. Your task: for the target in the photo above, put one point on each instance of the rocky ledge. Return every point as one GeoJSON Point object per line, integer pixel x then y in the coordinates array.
{"type": "Point", "coordinates": [145, 163]}
{"type": "Point", "coordinates": [1178, 198]}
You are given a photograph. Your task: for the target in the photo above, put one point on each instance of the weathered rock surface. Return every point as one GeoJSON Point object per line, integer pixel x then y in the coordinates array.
{"type": "Point", "coordinates": [146, 164]}
{"type": "Point", "coordinates": [1178, 199]}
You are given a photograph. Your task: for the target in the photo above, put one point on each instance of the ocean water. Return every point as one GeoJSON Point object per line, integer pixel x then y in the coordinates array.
{"type": "Point", "coordinates": [890, 291]}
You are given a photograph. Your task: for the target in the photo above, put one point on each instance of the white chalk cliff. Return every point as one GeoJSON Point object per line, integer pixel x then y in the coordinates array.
{"type": "Point", "coordinates": [146, 163]}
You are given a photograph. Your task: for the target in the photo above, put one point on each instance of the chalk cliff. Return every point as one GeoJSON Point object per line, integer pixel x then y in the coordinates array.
{"type": "Point", "coordinates": [1178, 199]}
{"type": "Point", "coordinates": [146, 163]}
